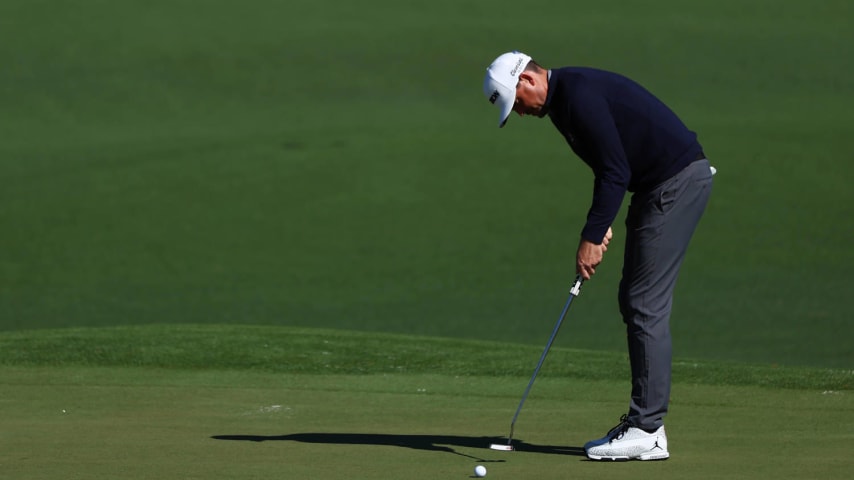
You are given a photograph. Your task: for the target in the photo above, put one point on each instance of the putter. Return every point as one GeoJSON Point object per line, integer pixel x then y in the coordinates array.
{"type": "Point", "coordinates": [573, 292]}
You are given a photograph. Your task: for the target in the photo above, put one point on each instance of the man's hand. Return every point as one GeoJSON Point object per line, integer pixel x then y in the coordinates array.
{"type": "Point", "coordinates": [590, 255]}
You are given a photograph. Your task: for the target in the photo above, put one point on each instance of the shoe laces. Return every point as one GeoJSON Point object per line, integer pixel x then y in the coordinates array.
{"type": "Point", "coordinates": [618, 431]}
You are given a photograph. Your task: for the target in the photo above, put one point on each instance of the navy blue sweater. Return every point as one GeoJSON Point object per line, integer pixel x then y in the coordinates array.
{"type": "Point", "coordinates": [630, 139]}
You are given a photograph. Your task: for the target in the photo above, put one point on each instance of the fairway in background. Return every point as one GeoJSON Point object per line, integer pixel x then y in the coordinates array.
{"type": "Point", "coordinates": [334, 164]}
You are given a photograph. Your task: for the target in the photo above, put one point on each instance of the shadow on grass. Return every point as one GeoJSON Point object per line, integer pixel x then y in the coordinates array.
{"type": "Point", "coordinates": [436, 443]}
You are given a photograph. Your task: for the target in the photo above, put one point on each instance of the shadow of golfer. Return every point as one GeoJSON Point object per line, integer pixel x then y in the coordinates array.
{"type": "Point", "coordinates": [435, 443]}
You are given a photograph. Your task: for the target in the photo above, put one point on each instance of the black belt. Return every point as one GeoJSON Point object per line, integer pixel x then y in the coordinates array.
{"type": "Point", "coordinates": [701, 156]}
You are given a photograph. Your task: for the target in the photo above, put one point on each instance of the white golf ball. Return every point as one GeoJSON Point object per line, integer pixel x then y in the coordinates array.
{"type": "Point", "coordinates": [480, 471]}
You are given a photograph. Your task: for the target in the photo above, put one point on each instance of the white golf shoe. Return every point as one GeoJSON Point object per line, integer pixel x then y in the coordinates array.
{"type": "Point", "coordinates": [625, 442]}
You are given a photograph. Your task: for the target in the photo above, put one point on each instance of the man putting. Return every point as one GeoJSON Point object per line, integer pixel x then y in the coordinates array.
{"type": "Point", "coordinates": [633, 142]}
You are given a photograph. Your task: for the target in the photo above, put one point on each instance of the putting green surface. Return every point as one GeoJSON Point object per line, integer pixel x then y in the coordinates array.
{"type": "Point", "coordinates": [404, 407]}
{"type": "Point", "coordinates": [147, 423]}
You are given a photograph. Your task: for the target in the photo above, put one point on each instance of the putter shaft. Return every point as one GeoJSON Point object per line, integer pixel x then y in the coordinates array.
{"type": "Point", "coordinates": [573, 292]}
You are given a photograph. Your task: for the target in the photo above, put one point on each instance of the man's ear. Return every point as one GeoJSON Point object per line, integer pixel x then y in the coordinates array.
{"type": "Point", "coordinates": [528, 78]}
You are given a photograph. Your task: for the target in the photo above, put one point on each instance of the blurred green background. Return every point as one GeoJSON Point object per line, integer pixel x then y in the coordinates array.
{"type": "Point", "coordinates": [334, 164]}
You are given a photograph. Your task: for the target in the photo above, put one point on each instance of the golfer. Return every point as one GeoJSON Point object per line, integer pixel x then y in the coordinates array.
{"type": "Point", "coordinates": [633, 143]}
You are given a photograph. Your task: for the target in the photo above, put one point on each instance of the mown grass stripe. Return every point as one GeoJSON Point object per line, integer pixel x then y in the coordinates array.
{"type": "Point", "coordinates": [318, 351]}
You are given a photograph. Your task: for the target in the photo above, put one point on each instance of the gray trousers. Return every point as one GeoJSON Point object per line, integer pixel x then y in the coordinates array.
{"type": "Point", "coordinates": [659, 225]}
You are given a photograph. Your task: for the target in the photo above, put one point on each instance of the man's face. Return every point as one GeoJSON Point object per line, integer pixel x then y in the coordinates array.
{"type": "Point", "coordinates": [531, 93]}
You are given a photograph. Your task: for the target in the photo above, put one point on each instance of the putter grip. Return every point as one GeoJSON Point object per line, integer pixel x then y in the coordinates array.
{"type": "Point", "coordinates": [576, 287]}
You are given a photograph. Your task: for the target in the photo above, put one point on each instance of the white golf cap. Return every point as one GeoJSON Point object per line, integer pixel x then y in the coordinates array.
{"type": "Point", "coordinates": [502, 76]}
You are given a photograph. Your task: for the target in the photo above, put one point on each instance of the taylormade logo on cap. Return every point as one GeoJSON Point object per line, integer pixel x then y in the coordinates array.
{"type": "Point", "coordinates": [502, 76]}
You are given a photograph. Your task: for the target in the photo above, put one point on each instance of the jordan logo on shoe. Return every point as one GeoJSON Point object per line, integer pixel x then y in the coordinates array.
{"type": "Point", "coordinates": [656, 445]}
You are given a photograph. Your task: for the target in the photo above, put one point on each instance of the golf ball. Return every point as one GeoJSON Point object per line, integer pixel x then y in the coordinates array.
{"type": "Point", "coordinates": [480, 471]}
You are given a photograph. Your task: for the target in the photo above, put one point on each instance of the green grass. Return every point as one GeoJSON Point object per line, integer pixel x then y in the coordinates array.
{"type": "Point", "coordinates": [325, 164]}
{"type": "Point", "coordinates": [203, 401]}
{"type": "Point", "coordinates": [339, 352]}
{"type": "Point", "coordinates": [210, 209]}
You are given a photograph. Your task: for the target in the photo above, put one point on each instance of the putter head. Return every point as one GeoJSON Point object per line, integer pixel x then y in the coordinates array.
{"type": "Point", "coordinates": [500, 446]}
